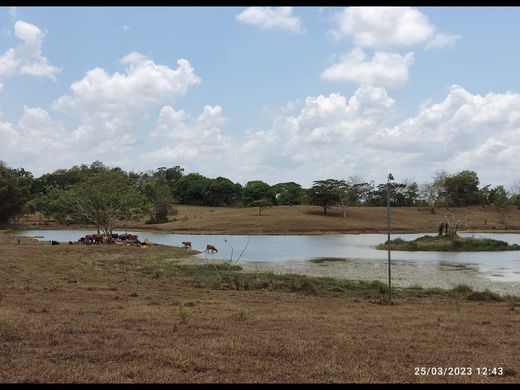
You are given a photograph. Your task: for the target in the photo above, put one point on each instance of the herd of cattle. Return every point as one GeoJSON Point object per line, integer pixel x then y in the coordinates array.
{"type": "Point", "coordinates": [98, 239]}
{"type": "Point", "coordinates": [121, 239]}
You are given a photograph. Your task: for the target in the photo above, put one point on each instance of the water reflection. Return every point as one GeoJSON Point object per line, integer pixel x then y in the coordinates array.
{"type": "Point", "coordinates": [341, 255]}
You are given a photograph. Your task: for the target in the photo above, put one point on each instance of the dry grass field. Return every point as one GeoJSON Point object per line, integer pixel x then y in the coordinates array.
{"type": "Point", "coordinates": [125, 314]}
{"type": "Point", "coordinates": [310, 219]}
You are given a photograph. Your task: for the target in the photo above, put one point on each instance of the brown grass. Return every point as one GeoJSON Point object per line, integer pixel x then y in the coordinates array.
{"type": "Point", "coordinates": [121, 314]}
{"type": "Point", "coordinates": [310, 219]}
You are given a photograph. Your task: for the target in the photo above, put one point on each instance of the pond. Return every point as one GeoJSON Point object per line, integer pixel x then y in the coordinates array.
{"type": "Point", "coordinates": [352, 255]}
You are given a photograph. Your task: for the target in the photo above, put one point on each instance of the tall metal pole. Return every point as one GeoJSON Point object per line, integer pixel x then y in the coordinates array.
{"type": "Point", "coordinates": [390, 177]}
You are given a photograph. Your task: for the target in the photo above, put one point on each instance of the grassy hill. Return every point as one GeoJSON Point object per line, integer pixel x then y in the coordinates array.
{"type": "Point", "coordinates": [310, 220]}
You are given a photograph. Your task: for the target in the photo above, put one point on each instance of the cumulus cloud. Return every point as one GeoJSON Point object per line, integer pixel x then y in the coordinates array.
{"type": "Point", "coordinates": [300, 142]}
{"type": "Point", "coordinates": [27, 57]}
{"type": "Point", "coordinates": [378, 27]}
{"type": "Point", "coordinates": [115, 102]}
{"type": "Point", "coordinates": [271, 18]}
{"type": "Point", "coordinates": [338, 136]}
{"type": "Point", "coordinates": [390, 70]}
{"type": "Point", "coordinates": [324, 136]}
{"type": "Point", "coordinates": [464, 131]}
{"type": "Point", "coordinates": [104, 112]}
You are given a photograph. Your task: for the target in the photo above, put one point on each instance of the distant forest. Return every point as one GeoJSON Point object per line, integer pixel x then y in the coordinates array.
{"type": "Point", "coordinates": [100, 194]}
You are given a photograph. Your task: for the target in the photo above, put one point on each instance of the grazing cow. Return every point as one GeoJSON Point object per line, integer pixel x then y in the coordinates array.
{"type": "Point", "coordinates": [187, 244]}
{"type": "Point", "coordinates": [89, 239]}
{"type": "Point", "coordinates": [136, 242]}
{"type": "Point", "coordinates": [211, 248]}
{"type": "Point", "coordinates": [55, 242]}
{"type": "Point", "coordinates": [98, 238]}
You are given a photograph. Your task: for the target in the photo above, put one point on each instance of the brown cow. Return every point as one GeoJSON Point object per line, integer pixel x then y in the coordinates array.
{"type": "Point", "coordinates": [187, 244]}
{"type": "Point", "coordinates": [211, 248]}
{"type": "Point", "coordinates": [98, 238]}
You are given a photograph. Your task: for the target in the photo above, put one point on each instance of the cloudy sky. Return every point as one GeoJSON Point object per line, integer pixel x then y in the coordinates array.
{"type": "Point", "coordinates": [263, 93]}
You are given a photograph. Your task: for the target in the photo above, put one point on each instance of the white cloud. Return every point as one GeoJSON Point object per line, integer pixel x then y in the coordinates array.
{"type": "Point", "coordinates": [464, 131]}
{"type": "Point", "coordinates": [314, 141]}
{"type": "Point", "coordinates": [29, 33]}
{"type": "Point", "coordinates": [271, 18]}
{"type": "Point", "coordinates": [107, 109]}
{"type": "Point", "coordinates": [325, 136]}
{"type": "Point", "coordinates": [389, 70]}
{"type": "Point", "coordinates": [116, 101]}
{"type": "Point", "coordinates": [27, 58]}
{"type": "Point", "coordinates": [188, 141]}
{"type": "Point", "coordinates": [442, 39]}
{"type": "Point", "coordinates": [338, 136]}
{"type": "Point", "coordinates": [378, 27]}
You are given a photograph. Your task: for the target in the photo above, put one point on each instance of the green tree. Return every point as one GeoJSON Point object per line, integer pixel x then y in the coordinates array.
{"type": "Point", "coordinates": [14, 192]}
{"type": "Point", "coordinates": [168, 176]}
{"type": "Point", "coordinates": [258, 190]}
{"type": "Point", "coordinates": [160, 198]}
{"type": "Point", "coordinates": [326, 193]}
{"type": "Point", "coordinates": [101, 199]}
{"type": "Point", "coordinates": [223, 192]}
{"type": "Point", "coordinates": [191, 189]}
{"type": "Point", "coordinates": [357, 190]}
{"type": "Point", "coordinates": [433, 193]}
{"type": "Point", "coordinates": [261, 204]}
{"type": "Point", "coordinates": [462, 189]}
{"type": "Point", "coordinates": [289, 193]}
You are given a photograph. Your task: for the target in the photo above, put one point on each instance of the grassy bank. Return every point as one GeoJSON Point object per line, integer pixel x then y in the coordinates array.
{"type": "Point", "coordinates": [310, 220]}
{"type": "Point", "coordinates": [451, 244]}
{"type": "Point", "coordinates": [128, 314]}
{"type": "Point", "coordinates": [219, 276]}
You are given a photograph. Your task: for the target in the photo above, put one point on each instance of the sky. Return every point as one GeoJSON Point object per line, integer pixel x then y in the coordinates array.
{"type": "Point", "coordinates": [263, 93]}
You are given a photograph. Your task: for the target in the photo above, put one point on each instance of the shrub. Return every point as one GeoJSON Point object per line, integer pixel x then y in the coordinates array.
{"type": "Point", "coordinates": [485, 295]}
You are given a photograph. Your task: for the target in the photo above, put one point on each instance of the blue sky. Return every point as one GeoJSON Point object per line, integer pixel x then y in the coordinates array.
{"type": "Point", "coordinates": [275, 94]}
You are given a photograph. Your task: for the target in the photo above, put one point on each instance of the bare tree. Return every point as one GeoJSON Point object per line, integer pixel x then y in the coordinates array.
{"type": "Point", "coordinates": [455, 224]}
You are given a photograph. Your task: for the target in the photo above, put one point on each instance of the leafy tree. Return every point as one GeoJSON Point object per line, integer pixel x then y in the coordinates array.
{"type": "Point", "coordinates": [159, 196]}
{"type": "Point", "coordinates": [258, 190]}
{"type": "Point", "coordinates": [191, 189]}
{"type": "Point", "coordinates": [261, 204]}
{"type": "Point", "coordinates": [497, 196]}
{"type": "Point", "coordinates": [101, 199]}
{"type": "Point", "coordinates": [433, 193]}
{"type": "Point", "coordinates": [326, 193]}
{"type": "Point", "coordinates": [462, 189]}
{"type": "Point", "coordinates": [289, 193]}
{"type": "Point", "coordinates": [514, 190]}
{"type": "Point", "coordinates": [14, 192]}
{"type": "Point", "coordinates": [357, 190]}
{"type": "Point", "coordinates": [223, 192]}
{"type": "Point", "coordinates": [168, 176]}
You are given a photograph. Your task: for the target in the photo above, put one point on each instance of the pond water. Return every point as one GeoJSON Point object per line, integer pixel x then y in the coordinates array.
{"type": "Point", "coordinates": [495, 270]}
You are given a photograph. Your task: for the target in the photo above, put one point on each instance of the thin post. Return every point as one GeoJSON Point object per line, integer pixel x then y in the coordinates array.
{"type": "Point", "coordinates": [390, 177]}
{"type": "Point", "coordinates": [126, 218]}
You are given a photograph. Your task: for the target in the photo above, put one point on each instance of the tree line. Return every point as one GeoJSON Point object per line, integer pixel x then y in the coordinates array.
{"type": "Point", "coordinates": [101, 195]}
